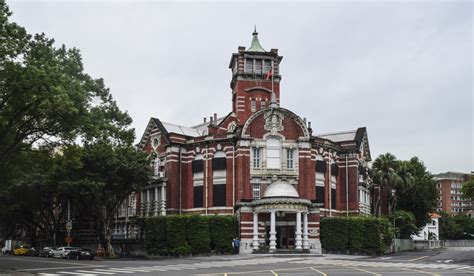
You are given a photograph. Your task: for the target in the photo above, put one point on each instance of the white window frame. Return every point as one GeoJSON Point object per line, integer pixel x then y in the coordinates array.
{"type": "Point", "coordinates": [256, 157]}
{"type": "Point", "coordinates": [290, 163]}
{"type": "Point", "coordinates": [256, 191]}
{"type": "Point", "coordinates": [273, 153]}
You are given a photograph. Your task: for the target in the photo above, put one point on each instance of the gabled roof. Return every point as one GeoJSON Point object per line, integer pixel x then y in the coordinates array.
{"type": "Point", "coordinates": [359, 136]}
{"type": "Point", "coordinates": [186, 131]}
{"type": "Point", "coordinates": [339, 136]}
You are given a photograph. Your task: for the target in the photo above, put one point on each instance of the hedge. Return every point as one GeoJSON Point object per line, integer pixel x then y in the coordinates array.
{"type": "Point", "coordinates": [355, 234]}
{"type": "Point", "coordinates": [189, 234]}
{"type": "Point", "coordinates": [223, 229]}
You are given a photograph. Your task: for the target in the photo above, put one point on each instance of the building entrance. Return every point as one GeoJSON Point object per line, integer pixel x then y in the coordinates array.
{"type": "Point", "coordinates": [285, 237]}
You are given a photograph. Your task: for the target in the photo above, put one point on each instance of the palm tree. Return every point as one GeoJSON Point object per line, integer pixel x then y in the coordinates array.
{"type": "Point", "coordinates": [385, 177]}
{"type": "Point", "coordinates": [405, 182]}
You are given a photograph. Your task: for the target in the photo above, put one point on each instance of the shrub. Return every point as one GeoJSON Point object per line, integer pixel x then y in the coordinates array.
{"type": "Point", "coordinates": [184, 234]}
{"type": "Point", "coordinates": [177, 230]}
{"type": "Point", "coordinates": [198, 234]}
{"type": "Point", "coordinates": [355, 234]}
{"type": "Point", "coordinates": [223, 229]}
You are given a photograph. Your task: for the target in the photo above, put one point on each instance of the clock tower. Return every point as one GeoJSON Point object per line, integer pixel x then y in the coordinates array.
{"type": "Point", "coordinates": [255, 79]}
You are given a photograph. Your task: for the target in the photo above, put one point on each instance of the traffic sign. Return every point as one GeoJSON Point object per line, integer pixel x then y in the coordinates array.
{"type": "Point", "coordinates": [68, 240]}
{"type": "Point", "coordinates": [69, 225]}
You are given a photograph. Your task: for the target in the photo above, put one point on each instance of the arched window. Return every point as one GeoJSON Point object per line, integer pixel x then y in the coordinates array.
{"type": "Point", "coordinates": [273, 153]}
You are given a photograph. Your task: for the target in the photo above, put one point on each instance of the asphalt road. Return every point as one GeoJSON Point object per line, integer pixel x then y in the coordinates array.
{"type": "Point", "coordinates": [454, 261]}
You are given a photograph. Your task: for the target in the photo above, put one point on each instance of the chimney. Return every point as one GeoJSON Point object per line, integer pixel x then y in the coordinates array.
{"type": "Point", "coordinates": [304, 120]}
{"type": "Point", "coordinates": [205, 119]}
{"type": "Point", "coordinates": [309, 124]}
{"type": "Point", "coordinates": [215, 119]}
{"type": "Point", "coordinates": [210, 120]}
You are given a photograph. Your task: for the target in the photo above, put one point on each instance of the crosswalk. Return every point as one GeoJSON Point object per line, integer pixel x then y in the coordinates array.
{"type": "Point", "coordinates": [174, 267]}
{"type": "Point", "coordinates": [383, 264]}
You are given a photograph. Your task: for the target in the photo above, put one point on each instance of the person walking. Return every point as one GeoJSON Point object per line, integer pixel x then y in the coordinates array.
{"type": "Point", "coordinates": [236, 245]}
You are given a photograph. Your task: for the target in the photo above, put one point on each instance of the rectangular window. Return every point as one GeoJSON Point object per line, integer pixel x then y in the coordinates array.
{"type": "Point", "coordinates": [289, 159]}
{"type": "Point", "coordinates": [256, 157]}
{"type": "Point", "coordinates": [267, 65]}
{"type": "Point", "coordinates": [253, 106]}
{"type": "Point", "coordinates": [248, 65]}
{"type": "Point", "coordinates": [319, 194]}
{"type": "Point", "coordinates": [320, 166]}
{"type": "Point", "coordinates": [273, 153]}
{"type": "Point", "coordinates": [263, 104]}
{"type": "Point", "coordinates": [320, 179]}
{"type": "Point", "coordinates": [256, 191]}
{"type": "Point", "coordinates": [258, 66]}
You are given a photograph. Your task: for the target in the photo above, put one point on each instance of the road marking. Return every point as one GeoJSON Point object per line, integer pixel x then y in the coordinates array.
{"type": "Point", "coordinates": [322, 273]}
{"type": "Point", "coordinates": [63, 267]}
{"type": "Point", "coordinates": [274, 273]}
{"type": "Point", "coordinates": [98, 272]}
{"type": "Point", "coordinates": [111, 270]}
{"type": "Point", "coordinates": [114, 270]}
{"type": "Point", "coordinates": [94, 271]}
{"type": "Point", "coordinates": [419, 258]}
{"type": "Point", "coordinates": [421, 271]}
{"type": "Point", "coordinates": [48, 274]}
{"type": "Point", "coordinates": [76, 273]}
{"type": "Point", "coordinates": [363, 270]}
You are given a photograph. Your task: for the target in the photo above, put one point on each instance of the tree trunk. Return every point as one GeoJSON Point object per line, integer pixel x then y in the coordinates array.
{"type": "Point", "coordinates": [107, 238]}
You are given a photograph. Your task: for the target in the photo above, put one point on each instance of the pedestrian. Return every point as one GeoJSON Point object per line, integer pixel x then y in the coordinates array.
{"type": "Point", "coordinates": [236, 245]}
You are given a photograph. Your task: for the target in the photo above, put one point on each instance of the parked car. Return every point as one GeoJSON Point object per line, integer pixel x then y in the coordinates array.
{"type": "Point", "coordinates": [32, 252]}
{"type": "Point", "coordinates": [47, 252]}
{"type": "Point", "coordinates": [85, 254]}
{"type": "Point", "coordinates": [21, 251]}
{"type": "Point", "coordinates": [65, 252]}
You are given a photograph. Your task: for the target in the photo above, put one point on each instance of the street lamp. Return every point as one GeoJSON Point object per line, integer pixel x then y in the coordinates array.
{"type": "Point", "coordinates": [126, 222]}
{"type": "Point", "coordinates": [394, 237]}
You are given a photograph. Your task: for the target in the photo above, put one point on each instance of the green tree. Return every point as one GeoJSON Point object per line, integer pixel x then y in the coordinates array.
{"type": "Point", "coordinates": [419, 197]}
{"type": "Point", "coordinates": [385, 178]}
{"type": "Point", "coordinates": [109, 174]}
{"type": "Point", "coordinates": [468, 188]}
{"type": "Point", "coordinates": [405, 223]}
{"type": "Point", "coordinates": [46, 97]}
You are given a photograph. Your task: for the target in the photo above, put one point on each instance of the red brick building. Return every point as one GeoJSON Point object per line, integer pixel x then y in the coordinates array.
{"type": "Point", "coordinates": [260, 162]}
{"type": "Point", "coordinates": [450, 198]}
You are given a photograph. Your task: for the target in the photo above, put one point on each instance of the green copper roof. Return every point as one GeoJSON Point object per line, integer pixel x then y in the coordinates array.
{"type": "Point", "coordinates": [255, 46]}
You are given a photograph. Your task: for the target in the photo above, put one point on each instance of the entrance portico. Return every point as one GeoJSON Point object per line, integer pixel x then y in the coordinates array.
{"type": "Point", "coordinates": [281, 200]}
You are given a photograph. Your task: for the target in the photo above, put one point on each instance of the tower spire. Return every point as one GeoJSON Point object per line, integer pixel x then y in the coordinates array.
{"type": "Point", "coordinates": [255, 45]}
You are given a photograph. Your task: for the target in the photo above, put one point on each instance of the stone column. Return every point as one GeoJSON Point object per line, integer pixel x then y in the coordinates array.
{"type": "Point", "coordinates": [147, 202]}
{"type": "Point", "coordinates": [305, 231]}
{"type": "Point", "coordinates": [255, 243]}
{"type": "Point", "coordinates": [298, 232]}
{"type": "Point", "coordinates": [156, 206]}
{"type": "Point", "coordinates": [163, 201]}
{"type": "Point", "coordinates": [272, 232]}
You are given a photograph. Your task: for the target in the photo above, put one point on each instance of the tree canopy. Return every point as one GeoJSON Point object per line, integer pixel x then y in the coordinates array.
{"type": "Point", "coordinates": [62, 139]}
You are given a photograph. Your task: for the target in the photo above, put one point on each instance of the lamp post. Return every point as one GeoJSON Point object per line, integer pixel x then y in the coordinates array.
{"type": "Point", "coordinates": [394, 236]}
{"type": "Point", "coordinates": [126, 222]}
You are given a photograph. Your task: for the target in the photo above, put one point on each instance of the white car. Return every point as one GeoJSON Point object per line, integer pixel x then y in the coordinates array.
{"type": "Point", "coordinates": [63, 252]}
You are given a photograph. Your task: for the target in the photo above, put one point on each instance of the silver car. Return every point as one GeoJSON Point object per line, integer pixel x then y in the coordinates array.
{"type": "Point", "coordinates": [63, 252]}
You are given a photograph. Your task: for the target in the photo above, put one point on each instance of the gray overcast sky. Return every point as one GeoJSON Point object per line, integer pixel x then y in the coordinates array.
{"type": "Point", "coordinates": [402, 69]}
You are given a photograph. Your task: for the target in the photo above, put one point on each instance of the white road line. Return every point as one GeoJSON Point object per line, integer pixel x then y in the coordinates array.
{"type": "Point", "coordinates": [92, 272]}
{"type": "Point", "coordinates": [76, 273]}
{"type": "Point", "coordinates": [113, 270]}
{"type": "Point", "coordinates": [62, 267]}
{"type": "Point", "coordinates": [48, 274]}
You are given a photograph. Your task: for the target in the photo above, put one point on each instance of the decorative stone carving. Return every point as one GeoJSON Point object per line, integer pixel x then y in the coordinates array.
{"type": "Point", "coordinates": [273, 122]}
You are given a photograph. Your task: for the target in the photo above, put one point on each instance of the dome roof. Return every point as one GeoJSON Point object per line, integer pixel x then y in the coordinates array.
{"type": "Point", "coordinates": [280, 189]}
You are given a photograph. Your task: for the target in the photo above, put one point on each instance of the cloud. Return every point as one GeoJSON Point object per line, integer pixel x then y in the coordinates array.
{"type": "Point", "coordinates": [403, 69]}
